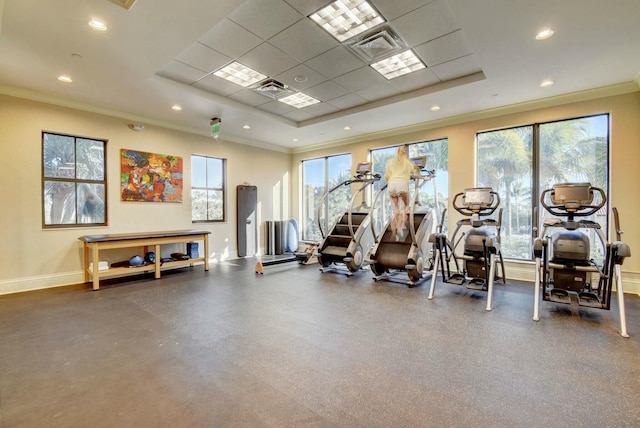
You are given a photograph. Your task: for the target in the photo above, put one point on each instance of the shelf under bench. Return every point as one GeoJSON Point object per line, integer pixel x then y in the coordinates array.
{"type": "Point", "coordinates": [93, 244]}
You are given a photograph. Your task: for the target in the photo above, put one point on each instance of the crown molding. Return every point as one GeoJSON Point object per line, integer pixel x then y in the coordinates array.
{"type": "Point", "coordinates": [574, 97]}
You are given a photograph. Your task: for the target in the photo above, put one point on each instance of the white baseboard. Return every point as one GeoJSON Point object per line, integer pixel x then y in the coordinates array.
{"type": "Point", "coordinates": [40, 282]}
{"type": "Point", "coordinates": [516, 271]}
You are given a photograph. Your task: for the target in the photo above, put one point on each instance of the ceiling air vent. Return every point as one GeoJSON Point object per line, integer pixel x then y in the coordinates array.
{"type": "Point", "coordinates": [273, 89]}
{"type": "Point", "coordinates": [378, 44]}
{"type": "Point", "coordinates": [127, 4]}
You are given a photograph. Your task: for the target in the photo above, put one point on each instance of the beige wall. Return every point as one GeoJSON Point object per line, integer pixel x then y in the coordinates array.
{"type": "Point", "coordinates": [31, 257]}
{"type": "Point", "coordinates": [625, 158]}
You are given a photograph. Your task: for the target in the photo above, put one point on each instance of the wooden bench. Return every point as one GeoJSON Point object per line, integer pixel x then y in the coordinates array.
{"type": "Point", "coordinates": [147, 241]}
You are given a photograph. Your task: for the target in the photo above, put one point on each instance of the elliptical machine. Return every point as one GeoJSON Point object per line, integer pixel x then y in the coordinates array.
{"type": "Point", "coordinates": [350, 236]}
{"type": "Point", "coordinates": [568, 270]}
{"type": "Point", "coordinates": [481, 243]}
{"type": "Point", "coordinates": [391, 255]}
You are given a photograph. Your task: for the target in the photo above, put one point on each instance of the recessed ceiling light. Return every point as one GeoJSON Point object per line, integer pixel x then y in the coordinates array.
{"type": "Point", "coordinates": [299, 100]}
{"type": "Point", "coordinates": [546, 83]}
{"type": "Point", "coordinates": [246, 127]}
{"type": "Point", "coordinates": [344, 19]}
{"type": "Point", "coordinates": [65, 79]}
{"type": "Point", "coordinates": [435, 108]}
{"type": "Point", "coordinates": [295, 140]}
{"type": "Point", "coordinates": [398, 65]}
{"type": "Point", "coordinates": [240, 74]}
{"type": "Point", "coordinates": [300, 79]}
{"type": "Point", "coordinates": [176, 107]}
{"type": "Point", "coordinates": [544, 34]}
{"type": "Point", "coordinates": [347, 128]}
{"type": "Point", "coordinates": [98, 25]}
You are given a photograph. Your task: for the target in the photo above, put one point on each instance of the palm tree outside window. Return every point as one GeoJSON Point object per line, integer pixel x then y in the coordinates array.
{"type": "Point", "coordinates": [519, 163]}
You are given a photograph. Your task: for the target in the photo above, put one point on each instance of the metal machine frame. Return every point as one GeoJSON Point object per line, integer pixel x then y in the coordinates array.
{"type": "Point", "coordinates": [568, 270]}
{"type": "Point", "coordinates": [481, 247]}
{"type": "Point", "coordinates": [388, 258]}
{"type": "Point", "coordinates": [350, 236]}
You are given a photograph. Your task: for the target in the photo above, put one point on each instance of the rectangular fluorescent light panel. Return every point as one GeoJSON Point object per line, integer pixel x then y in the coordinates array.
{"type": "Point", "coordinates": [344, 19]}
{"type": "Point", "coordinates": [240, 74]}
{"type": "Point", "coordinates": [299, 100]}
{"type": "Point", "coordinates": [398, 65]}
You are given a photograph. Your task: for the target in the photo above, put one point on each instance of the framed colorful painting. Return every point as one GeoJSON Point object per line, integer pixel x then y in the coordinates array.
{"type": "Point", "coordinates": [150, 177]}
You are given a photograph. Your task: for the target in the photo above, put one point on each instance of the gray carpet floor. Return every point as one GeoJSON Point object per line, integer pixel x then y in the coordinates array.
{"type": "Point", "coordinates": [299, 348]}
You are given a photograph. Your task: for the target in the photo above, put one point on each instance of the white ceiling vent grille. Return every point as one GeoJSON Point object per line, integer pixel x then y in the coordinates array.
{"type": "Point", "coordinates": [273, 89]}
{"type": "Point", "coordinates": [378, 44]}
{"type": "Point", "coordinates": [127, 4]}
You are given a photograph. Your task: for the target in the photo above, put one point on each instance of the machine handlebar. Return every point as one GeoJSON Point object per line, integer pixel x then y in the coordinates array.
{"type": "Point", "coordinates": [478, 200]}
{"type": "Point", "coordinates": [572, 200]}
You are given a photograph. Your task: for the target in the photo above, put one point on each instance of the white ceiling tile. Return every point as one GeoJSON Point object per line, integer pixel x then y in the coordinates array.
{"type": "Point", "coordinates": [379, 91]}
{"type": "Point", "coordinates": [360, 79]}
{"type": "Point", "coordinates": [217, 85]}
{"type": "Point", "coordinates": [276, 107]}
{"type": "Point", "coordinates": [298, 115]}
{"type": "Point", "coordinates": [181, 72]}
{"type": "Point", "coordinates": [230, 39]}
{"type": "Point", "coordinates": [347, 101]}
{"type": "Point", "coordinates": [326, 91]}
{"type": "Point", "coordinates": [268, 60]}
{"type": "Point", "coordinates": [426, 23]}
{"type": "Point", "coordinates": [304, 40]}
{"type": "Point", "coordinates": [457, 68]}
{"type": "Point", "coordinates": [249, 97]}
{"type": "Point", "coordinates": [416, 80]}
{"type": "Point", "coordinates": [391, 9]}
{"type": "Point", "coordinates": [335, 62]}
{"type": "Point", "coordinates": [320, 109]}
{"type": "Point", "coordinates": [443, 49]}
{"type": "Point", "coordinates": [307, 7]}
{"type": "Point", "coordinates": [265, 18]}
{"type": "Point", "coordinates": [203, 58]}
{"type": "Point", "coordinates": [289, 77]}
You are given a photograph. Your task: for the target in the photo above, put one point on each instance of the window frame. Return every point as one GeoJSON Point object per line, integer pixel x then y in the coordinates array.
{"type": "Point", "coordinates": [536, 171]}
{"type": "Point", "coordinates": [442, 192]}
{"type": "Point", "coordinates": [73, 180]}
{"type": "Point", "coordinates": [313, 216]}
{"type": "Point", "coordinates": [222, 188]}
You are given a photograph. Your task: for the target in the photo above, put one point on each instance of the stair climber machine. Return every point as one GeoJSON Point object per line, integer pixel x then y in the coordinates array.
{"type": "Point", "coordinates": [565, 270]}
{"type": "Point", "coordinates": [350, 236]}
{"type": "Point", "coordinates": [481, 249]}
{"type": "Point", "coordinates": [394, 255]}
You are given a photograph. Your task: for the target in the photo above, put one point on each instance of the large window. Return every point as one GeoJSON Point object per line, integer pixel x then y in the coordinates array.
{"type": "Point", "coordinates": [208, 179]}
{"type": "Point", "coordinates": [74, 186]}
{"type": "Point", "coordinates": [319, 176]}
{"type": "Point", "coordinates": [433, 194]}
{"type": "Point", "coordinates": [519, 163]}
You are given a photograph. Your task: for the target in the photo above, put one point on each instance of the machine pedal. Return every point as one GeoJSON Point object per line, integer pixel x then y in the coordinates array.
{"type": "Point", "coordinates": [589, 300]}
{"type": "Point", "coordinates": [457, 279]}
{"type": "Point", "coordinates": [477, 284]}
{"type": "Point", "coordinates": [334, 251]}
{"type": "Point", "coordinates": [559, 295]}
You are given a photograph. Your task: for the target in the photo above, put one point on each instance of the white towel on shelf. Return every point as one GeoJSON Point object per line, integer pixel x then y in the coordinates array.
{"type": "Point", "coordinates": [101, 266]}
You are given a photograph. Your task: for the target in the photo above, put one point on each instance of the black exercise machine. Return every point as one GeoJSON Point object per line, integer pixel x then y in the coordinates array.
{"type": "Point", "coordinates": [350, 236]}
{"type": "Point", "coordinates": [391, 256]}
{"type": "Point", "coordinates": [564, 266]}
{"type": "Point", "coordinates": [481, 243]}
